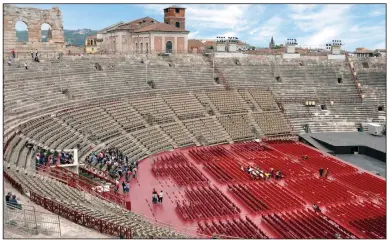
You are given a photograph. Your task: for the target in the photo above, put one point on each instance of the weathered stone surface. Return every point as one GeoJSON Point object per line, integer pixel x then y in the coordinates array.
{"type": "Point", "coordinates": [33, 18]}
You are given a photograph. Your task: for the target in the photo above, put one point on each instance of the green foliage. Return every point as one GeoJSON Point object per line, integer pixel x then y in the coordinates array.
{"type": "Point", "coordinates": [74, 37]}
{"type": "Point", "coordinates": [276, 47]}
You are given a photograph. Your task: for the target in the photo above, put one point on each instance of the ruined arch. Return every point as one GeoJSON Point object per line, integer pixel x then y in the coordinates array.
{"type": "Point", "coordinates": [21, 22]}
{"type": "Point", "coordinates": [48, 36]}
{"type": "Point", "coordinates": [33, 18]}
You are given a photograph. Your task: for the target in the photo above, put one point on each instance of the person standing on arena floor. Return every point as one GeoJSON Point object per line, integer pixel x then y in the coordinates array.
{"type": "Point", "coordinates": [137, 164]}
{"type": "Point", "coordinates": [32, 53]}
{"type": "Point", "coordinates": [326, 173]}
{"type": "Point", "coordinates": [134, 172]}
{"type": "Point", "coordinates": [124, 186]}
{"type": "Point", "coordinates": [154, 196]}
{"type": "Point", "coordinates": [321, 170]}
{"type": "Point", "coordinates": [127, 175]}
{"type": "Point", "coordinates": [160, 196]}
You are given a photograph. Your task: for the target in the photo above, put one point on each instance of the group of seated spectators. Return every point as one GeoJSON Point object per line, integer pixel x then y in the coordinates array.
{"type": "Point", "coordinates": [257, 173]}
{"type": "Point", "coordinates": [115, 163]}
{"type": "Point", "coordinates": [11, 201]}
{"type": "Point", "coordinates": [45, 157]}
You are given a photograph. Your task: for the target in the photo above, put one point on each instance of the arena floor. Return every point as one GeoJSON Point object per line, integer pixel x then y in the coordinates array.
{"type": "Point", "coordinates": [282, 199]}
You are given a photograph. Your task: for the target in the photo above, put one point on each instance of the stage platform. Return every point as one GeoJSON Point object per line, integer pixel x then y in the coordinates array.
{"type": "Point", "coordinates": [371, 149]}
{"type": "Point", "coordinates": [206, 185]}
{"type": "Point", "coordinates": [345, 139]}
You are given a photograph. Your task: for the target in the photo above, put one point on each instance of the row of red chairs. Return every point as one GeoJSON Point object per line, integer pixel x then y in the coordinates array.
{"type": "Point", "coordinates": [184, 174]}
{"type": "Point", "coordinates": [210, 154]}
{"type": "Point", "coordinates": [234, 228]}
{"type": "Point", "coordinates": [289, 169]}
{"type": "Point", "coordinates": [315, 159]}
{"type": "Point", "coordinates": [364, 182]}
{"type": "Point", "coordinates": [263, 196]}
{"type": "Point", "coordinates": [227, 171]}
{"type": "Point", "coordinates": [294, 148]}
{"type": "Point", "coordinates": [320, 191]}
{"type": "Point", "coordinates": [171, 159]}
{"type": "Point", "coordinates": [305, 224]}
{"type": "Point", "coordinates": [356, 210]}
{"type": "Point", "coordinates": [254, 150]}
{"type": "Point", "coordinates": [206, 202]}
{"type": "Point", "coordinates": [373, 227]}
{"type": "Point", "coordinates": [367, 217]}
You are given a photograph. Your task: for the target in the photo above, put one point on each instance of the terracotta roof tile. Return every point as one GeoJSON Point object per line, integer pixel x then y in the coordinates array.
{"type": "Point", "coordinates": [159, 27]}
{"type": "Point", "coordinates": [194, 43]}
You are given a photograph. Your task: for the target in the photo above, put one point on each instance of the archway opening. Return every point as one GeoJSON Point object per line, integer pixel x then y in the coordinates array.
{"type": "Point", "coordinates": [21, 32]}
{"type": "Point", "coordinates": [178, 24]}
{"type": "Point", "coordinates": [169, 46]}
{"type": "Point", "coordinates": [46, 34]}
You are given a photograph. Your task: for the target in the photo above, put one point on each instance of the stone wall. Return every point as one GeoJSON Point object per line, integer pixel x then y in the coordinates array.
{"type": "Point", "coordinates": [33, 18]}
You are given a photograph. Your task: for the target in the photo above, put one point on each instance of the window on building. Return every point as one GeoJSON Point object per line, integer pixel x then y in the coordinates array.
{"type": "Point", "coordinates": [136, 47]}
{"type": "Point", "coordinates": [340, 80]}
{"type": "Point", "coordinates": [380, 108]}
{"type": "Point", "coordinates": [169, 46]}
{"type": "Point", "coordinates": [278, 79]}
{"type": "Point", "coordinates": [141, 48]}
{"type": "Point", "coordinates": [178, 24]}
{"type": "Point", "coordinates": [177, 10]}
{"type": "Point", "coordinates": [323, 107]}
{"type": "Point", "coordinates": [147, 47]}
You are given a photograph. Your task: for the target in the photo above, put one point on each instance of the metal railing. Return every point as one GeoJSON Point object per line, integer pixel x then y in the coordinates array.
{"type": "Point", "coordinates": [27, 219]}
{"type": "Point", "coordinates": [80, 218]}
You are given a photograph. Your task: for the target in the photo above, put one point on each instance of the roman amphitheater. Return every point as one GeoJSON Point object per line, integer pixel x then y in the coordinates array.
{"type": "Point", "coordinates": [193, 123]}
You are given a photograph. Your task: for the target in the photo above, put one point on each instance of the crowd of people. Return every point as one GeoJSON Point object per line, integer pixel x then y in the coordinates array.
{"type": "Point", "coordinates": [34, 56]}
{"type": "Point", "coordinates": [116, 164]}
{"type": "Point", "coordinates": [257, 173]}
{"type": "Point", "coordinates": [47, 157]}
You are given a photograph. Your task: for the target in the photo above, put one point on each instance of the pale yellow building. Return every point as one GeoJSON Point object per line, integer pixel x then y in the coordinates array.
{"type": "Point", "coordinates": [91, 45]}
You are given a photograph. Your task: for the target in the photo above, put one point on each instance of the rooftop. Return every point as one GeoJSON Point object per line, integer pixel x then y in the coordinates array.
{"type": "Point", "coordinates": [173, 6]}
{"type": "Point", "coordinates": [159, 27]}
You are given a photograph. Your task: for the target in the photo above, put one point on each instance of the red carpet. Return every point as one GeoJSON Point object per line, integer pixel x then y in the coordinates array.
{"type": "Point", "coordinates": [205, 193]}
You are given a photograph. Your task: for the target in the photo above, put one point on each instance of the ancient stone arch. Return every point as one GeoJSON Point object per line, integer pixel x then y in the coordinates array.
{"type": "Point", "coordinates": [33, 18]}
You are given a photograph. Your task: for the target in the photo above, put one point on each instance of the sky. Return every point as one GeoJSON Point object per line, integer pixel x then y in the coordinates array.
{"type": "Point", "coordinates": [313, 25]}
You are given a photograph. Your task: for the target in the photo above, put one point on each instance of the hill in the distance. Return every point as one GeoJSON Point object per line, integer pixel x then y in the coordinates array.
{"type": "Point", "coordinates": [74, 37]}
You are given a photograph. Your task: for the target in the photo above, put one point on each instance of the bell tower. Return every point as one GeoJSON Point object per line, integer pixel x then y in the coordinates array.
{"type": "Point", "coordinates": [175, 16]}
